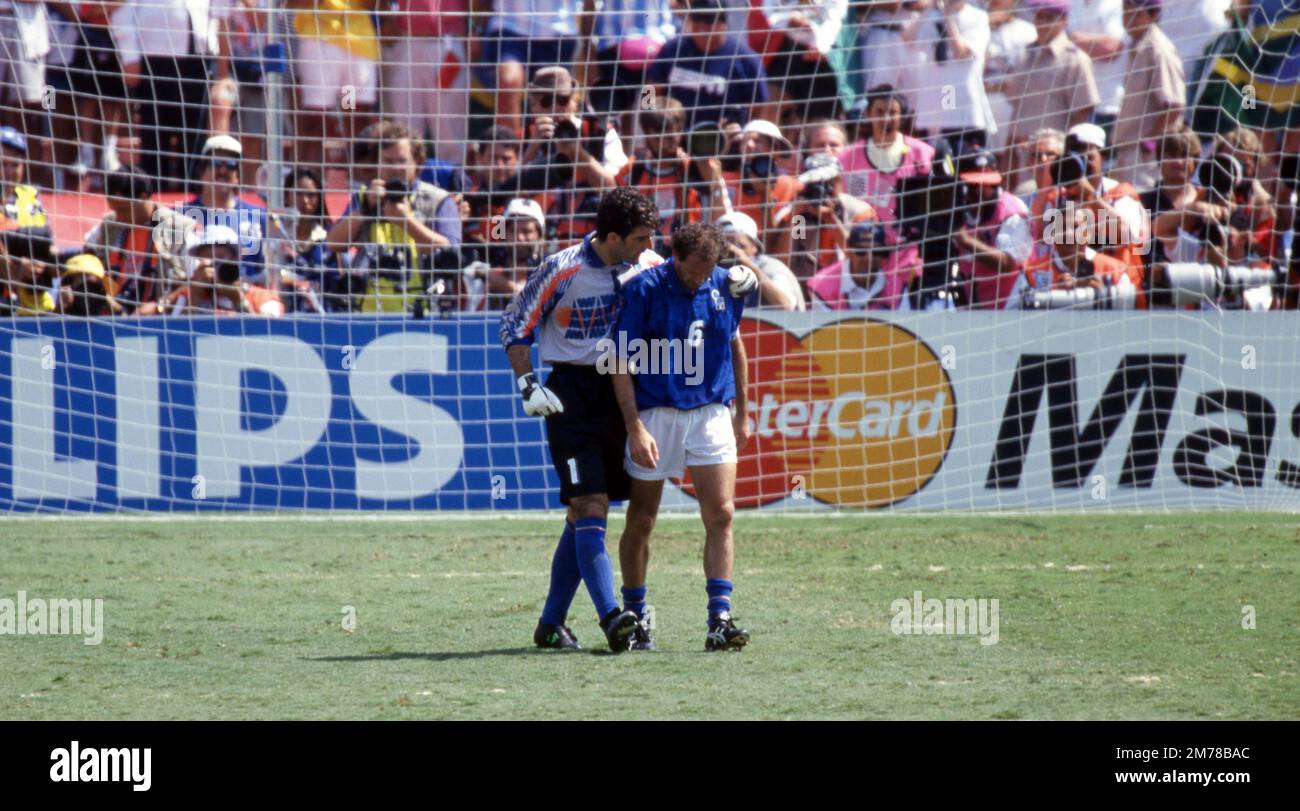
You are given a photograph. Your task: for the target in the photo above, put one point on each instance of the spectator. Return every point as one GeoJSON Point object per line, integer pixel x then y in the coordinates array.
{"type": "Point", "coordinates": [1192, 25]}
{"type": "Point", "coordinates": [1010, 40]}
{"type": "Point", "coordinates": [314, 268]}
{"type": "Point", "coordinates": [495, 160]}
{"type": "Point", "coordinates": [140, 244]}
{"type": "Point", "coordinates": [239, 70]}
{"type": "Point", "coordinates": [712, 73]}
{"type": "Point", "coordinates": [24, 44]}
{"type": "Point", "coordinates": [1154, 92]}
{"type": "Point", "coordinates": [521, 36]}
{"type": "Point", "coordinates": [1122, 227]}
{"type": "Point", "coordinates": [762, 188]}
{"type": "Point", "coordinates": [826, 137]}
{"type": "Point", "coordinates": [1043, 148]}
{"type": "Point", "coordinates": [25, 273]}
{"type": "Point", "coordinates": [994, 242]}
{"type": "Point", "coordinates": [219, 201]}
{"type": "Point", "coordinates": [889, 52]}
{"type": "Point", "coordinates": [868, 278]}
{"type": "Point", "coordinates": [522, 250]}
{"type": "Point", "coordinates": [426, 78]}
{"type": "Point", "coordinates": [629, 34]}
{"type": "Point", "coordinates": [164, 47]}
{"type": "Point", "coordinates": [778, 288]}
{"type": "Point", "coordinates": [954, 103]}
{"type": "Point", "coordinates": [805, 84]}
{"type": "Point", "coordinates": [660, 169]}
{"type": "Point", "coordinates": [1097, 27]}
{"type": "Point", "coordinates": [1177, 153]}
{"type": "Point", "coordinates": [560, 166]}
{"type": "Point", "coordinates": [336, 70]}
{"type": "Point", "coordinates": [85, 290]}
{"type": "Point", "coordinates": [216, 286]}
{"type": "Point", "coordinates": [813, 230]}
{"type": "Point", "coordinates": [397, 222]}
{"type": "Point", "coordinates": [22, 202]}
{"type": "Point", "coordinates": [1054, 88]}
{"type": "Point", "coordinates": [98, 86]}
{"type": "Point", "coordinates": [1072, 262]}
{"type": "Point", "coordinates": [1254, 206]}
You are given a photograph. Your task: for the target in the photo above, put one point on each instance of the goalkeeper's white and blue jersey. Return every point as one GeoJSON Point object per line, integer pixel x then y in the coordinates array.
{"type": "Point", "coordinates": [569, 303]}
{"type": "Point", "coordinates": [657, 306]}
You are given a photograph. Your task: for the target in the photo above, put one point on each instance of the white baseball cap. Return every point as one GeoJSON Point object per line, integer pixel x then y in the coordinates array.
{"type": "Point", "coordinates": [739, 222]}
{"type": "Point", "coordinates": [528, 209]}
{"type": "Point", "coordinates": [223, 143]}
{"type": "Point", "coordinates": [1090, 134]}
{"type": "Point", "coordinates": [217, 235]}
{"type": "Point", "coordinates": [759, 126]}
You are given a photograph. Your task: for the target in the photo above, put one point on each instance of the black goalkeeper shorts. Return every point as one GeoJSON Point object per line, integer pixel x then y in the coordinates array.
{"type": "Point", "coordinates": [587, 439]}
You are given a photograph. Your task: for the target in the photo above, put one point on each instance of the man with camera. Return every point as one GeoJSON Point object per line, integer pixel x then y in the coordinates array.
{"type": "Point", "coordinates": [992, 240]}
{"type": "Point", "coordinates": [1074, 274]}
{"type": "Point", "coordinates": [397, 222]}
{"type": "Point", "coordinates": [216, 286]}
{"type": "Point", "coordinates": [869, 279]}
{"type": "Point", "coordinates": [814, 229]}
{"type": "Point", "coordinates": [520, 250]}
{"type": "Point", "coordinates": [219, 201]}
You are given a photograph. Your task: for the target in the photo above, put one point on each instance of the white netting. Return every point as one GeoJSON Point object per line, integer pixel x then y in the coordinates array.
{"type": "Point", "coordinates": [362, 187]}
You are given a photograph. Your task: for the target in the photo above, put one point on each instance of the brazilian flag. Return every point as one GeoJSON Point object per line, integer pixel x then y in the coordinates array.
{"type": "Point", "coordinates": [1250, 75]}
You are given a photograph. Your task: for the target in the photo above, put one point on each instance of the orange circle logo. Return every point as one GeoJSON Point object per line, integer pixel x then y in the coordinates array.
{"type": "Point", "coordinates": [859, 413]}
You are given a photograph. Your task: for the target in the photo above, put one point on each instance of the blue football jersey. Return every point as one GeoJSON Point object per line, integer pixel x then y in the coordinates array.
{"type": "Point", "coordinates": [678, 343]}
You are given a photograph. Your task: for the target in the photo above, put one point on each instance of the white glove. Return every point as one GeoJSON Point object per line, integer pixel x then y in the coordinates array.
{"type": "Point", "coordinates": [741, 281]}
{"type": "Point", "coordinates": [539, 401]}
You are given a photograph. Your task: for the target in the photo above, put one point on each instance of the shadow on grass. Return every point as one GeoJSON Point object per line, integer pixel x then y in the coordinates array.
{"type": "Point", "coordinates": [451, 656]}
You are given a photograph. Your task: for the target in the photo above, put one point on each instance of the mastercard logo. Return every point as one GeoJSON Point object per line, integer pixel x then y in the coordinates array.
{"type": "Point", "coordinates": [859, 413]}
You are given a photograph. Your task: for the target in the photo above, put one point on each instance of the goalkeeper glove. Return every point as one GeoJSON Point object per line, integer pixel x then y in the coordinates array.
{"type": "Point", "coordinates": [741, 281]}
{"type": "Point", "coordinates": [539, 401]}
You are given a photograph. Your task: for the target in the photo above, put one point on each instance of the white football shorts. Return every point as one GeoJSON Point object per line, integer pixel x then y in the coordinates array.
{"type": "Point", "coordinates": [701, 436]}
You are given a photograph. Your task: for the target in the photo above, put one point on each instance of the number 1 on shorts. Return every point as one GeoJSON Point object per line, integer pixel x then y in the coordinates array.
{"type": "Point", "coordinates": [573, 470]}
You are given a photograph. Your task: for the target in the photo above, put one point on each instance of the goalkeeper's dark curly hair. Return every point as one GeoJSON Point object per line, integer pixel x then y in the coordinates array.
{"type": "Point", "coordinates": [623, 210]}
{"type": "Point", "coordinates": [698, 240]}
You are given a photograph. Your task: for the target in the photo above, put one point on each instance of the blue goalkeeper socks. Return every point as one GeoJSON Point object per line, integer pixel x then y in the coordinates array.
{"type": "Point", "coordinates": [594, 564]}
{"type": "Point", "coordinates": [634, 600]}
{"type": "Point", "coordinates": [565, 578]}
{"type": "Point", "coordinates": [719, 592]}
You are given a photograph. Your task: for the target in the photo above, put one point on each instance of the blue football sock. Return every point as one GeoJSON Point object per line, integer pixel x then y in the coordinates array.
{"type": "Point", "coordinates": [593, 561]}
{"type": "Point", "coordinates": [719, 591]}
{"type": "Point", "coordinates": [634, 600]}
{"type": "Point", "coordinates": [565, 578]}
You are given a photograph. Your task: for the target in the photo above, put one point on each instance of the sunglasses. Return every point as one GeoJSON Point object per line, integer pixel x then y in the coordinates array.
{"type": "Point", "coordinates": [229, 164]}
{"type": "Point", "coordinates": [551, 99]}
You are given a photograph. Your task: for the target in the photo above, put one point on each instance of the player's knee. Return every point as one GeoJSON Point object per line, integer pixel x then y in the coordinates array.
{"type": "Point", "coordinates": [721, 515]}
{"type": "Point", "coordinates": [594, 506]}
{"type": "Point", "coordinates": [640, 526]}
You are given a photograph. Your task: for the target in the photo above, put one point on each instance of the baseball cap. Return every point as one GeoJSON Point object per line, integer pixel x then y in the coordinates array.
{"type": "Point", "coordinates": [553, 79]}
{"type": "Point", "coordinates": [222, 143]}
{"type": "Point", "coordinates": [1089, 134]}
{"type": "Point", "coordinates": [739, 222]}
{"type": "Point", "coordinates": [13, 139]}
{"type": "Point", "coordinates": [527, 209]}
{"type": "Point", "coordinates": [980, 168]}
{"type": "Point", "coordinates": [867, 234]}
{"type": "Point", "coordinates": [759, 126]}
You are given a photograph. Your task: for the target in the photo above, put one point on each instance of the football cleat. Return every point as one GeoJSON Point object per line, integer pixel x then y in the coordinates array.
{"type": "Point", "coordinates": [643, 637]}
{"type": "Point", "coordinates": [723, 633]}
{"type": "Point", "coordinates": [555, 637]}
{"type": "Point", "coordinates": [619, 627]}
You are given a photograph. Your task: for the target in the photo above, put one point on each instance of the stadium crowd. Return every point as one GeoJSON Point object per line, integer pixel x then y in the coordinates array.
{"type": "Point", "coordinates": [880, 155]}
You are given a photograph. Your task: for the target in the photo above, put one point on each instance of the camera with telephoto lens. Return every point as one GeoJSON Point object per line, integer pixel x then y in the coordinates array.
{"type": "Point", "coordinates": [1193, 283]}
{"type": "Point", "coordinates": [1110, 296]}
{"type": "Point", "coordinates": [395, 191]}
{"type": "Point", "coordinates": [1069, 169]}
{"type": "Point", "coordinates": [227, 271]}
{"type": "Point", "coordinates": [566, 129]}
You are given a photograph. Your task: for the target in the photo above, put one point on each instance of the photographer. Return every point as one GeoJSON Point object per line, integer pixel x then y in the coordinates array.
{"type": "Point", "coordinates": [397, 222]}
{"type": "Point", "coordinates": [869, 279]}
{"type": "Point", "coordinates": [993, 241]}
{"type": "Point", "coordinates": [216, 287]}
{"type": "Point", "coordinates": [661, 170]}
{"type": "Point", "coordinates": [85, 290]}
{"type": "Point", "coordinates": [777, 286]}
{"type": "Point", "coordinates": [1073, 273]}
{"type": "Point", "coordinates": [26, 258]}
{"type": "Point", "coordinates": [814, 229]}
{"type": "Point", "coordinates": [512, 259]}
{"type": "Point", "coordinates": [559, 166]}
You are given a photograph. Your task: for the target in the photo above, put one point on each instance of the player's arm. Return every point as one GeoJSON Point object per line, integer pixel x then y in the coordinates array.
{"type": "Point", "coordinates": [520, 320]}
{"type": "Point", "coordinates": [740, 369]}
{"type": "Point", "coordinates": [640, 445]}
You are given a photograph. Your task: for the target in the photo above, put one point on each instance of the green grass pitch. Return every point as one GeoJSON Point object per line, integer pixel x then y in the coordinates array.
{"type": "Point", "coordinates": [1117, 616]}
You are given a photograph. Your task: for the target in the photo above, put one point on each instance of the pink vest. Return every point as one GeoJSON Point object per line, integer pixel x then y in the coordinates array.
{"type": "Point", "coordinates": [827, 284]}
{"type": "Point", "coordinates": [865, 181]}
{"type": "Point", "coordinates": [990, 290]}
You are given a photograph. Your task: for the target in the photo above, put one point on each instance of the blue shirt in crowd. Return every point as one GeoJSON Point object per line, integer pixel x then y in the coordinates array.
{"type": "Point", "coordinates": [725, 83]}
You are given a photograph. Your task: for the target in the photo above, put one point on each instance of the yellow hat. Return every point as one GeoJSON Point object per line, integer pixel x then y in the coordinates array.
{"type": "Point", "coordinates": [90, 265]}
